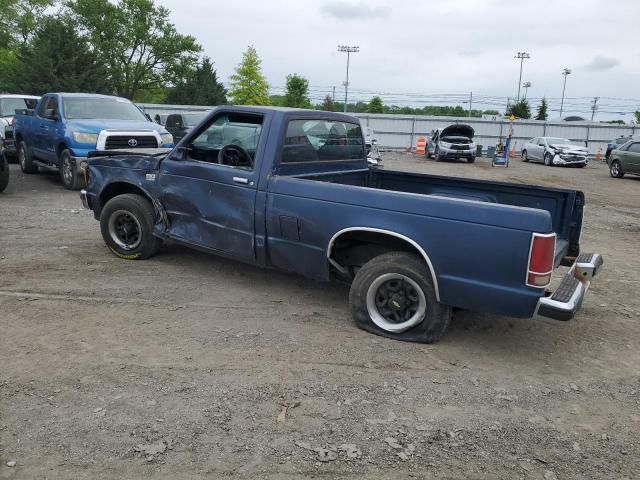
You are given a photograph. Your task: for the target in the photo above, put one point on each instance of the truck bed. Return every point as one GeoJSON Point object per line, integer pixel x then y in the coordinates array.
{"type": "Point", "coordinates": [564, 206]}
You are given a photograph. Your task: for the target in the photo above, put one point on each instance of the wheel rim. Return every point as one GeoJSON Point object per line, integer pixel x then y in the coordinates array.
{"type": "Point", "coordinates": [524, 156]}
{"type": "Point", "coordinates": [614, 169]}
{"type": "Point", "coordinates": [67, 170]}
{"type": "Point", "coordinates": [125, 230]}
{"type": "Point", "coordinates": [395, 302]}
{"type": "Point", "coordinates": [23, 159]}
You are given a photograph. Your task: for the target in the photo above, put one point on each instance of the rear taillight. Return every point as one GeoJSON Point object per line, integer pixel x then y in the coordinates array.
{"type": "Point", "coordinates": [541, 254]}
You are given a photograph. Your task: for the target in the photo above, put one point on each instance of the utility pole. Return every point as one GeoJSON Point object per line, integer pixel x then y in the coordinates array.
{"type": "Point", "coordinates": [349, 50]}
{"type": "Point", "coordinates": [333, 97]}
{"type": "Point", "coordinates": [526, 86]}
{"type": "Point", "coordinates": [594, 107]}
{"type": "Point", "coordinates": [470, 102]}
{"type": "Point", "coordinates": [565, 71]}
{"type": "Point", "coordinates": [521, 56]}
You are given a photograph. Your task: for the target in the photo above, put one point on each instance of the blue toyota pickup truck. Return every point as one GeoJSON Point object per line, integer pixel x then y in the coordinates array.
{"type": "Point", "coordinates": [291, 190]}
{"type": "Point", "coordinates": [64, 127]}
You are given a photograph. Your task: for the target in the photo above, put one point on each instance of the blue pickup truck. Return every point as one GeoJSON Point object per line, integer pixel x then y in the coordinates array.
{"type": "Point", "coordinates": [64, 127]}
{"type": "Point", "coordinates": [291, 190]}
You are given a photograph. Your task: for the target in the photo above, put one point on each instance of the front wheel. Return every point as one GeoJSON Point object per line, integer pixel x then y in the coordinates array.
{"type": "Point", "coordinates": [525, 157]}
{"type": "Point", "coordinates": [69, 172]}
{"type": "Point", "coordinates": [126, 224]}
{"type": "Point", "coordinates": [471, 159]}
{"type": "Point", "coordinates": [4, 172]}
{"type": "Point", "coordinates": [393, 295]}
{"type": "Point", "coordinates": [548, 159]}
{"type": "Point", "coordinates": [616, 169]}
{"type": "Point", "coordinates": [436, 155]}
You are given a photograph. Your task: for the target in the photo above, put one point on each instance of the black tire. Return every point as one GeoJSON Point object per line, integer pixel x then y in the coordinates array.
{"type": "Point", "coordinates": [436, 155]}
{"type": "Point", "coordinates": [548, 159]}
{"type": "Point", "coordinates": [615, 169]}
{"type": "Point", "coordinates": [69, 174]}
{"type": "Point", "coordinates": [370, 286]}
{"type": "Point", "coordinates": [525, 158]}
{"type": "Point", "coordinates": [121, 217]}
{"type": "Point", "coordinates": [4, 172]}
{"type": "Point", "coordinates": [471, 160]}
{"type": "Point", "coordinates": [26, 159]}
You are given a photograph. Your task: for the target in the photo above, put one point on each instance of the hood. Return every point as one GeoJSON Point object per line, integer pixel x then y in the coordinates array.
{"type": "Point", "coordinates": [568, 148]}
{"type": "Point", "coordinates": [96, 125]}
{"type": "Point", "coordinates": [459, 130]}
{"type": "Point", "coordinates": [148, 160]}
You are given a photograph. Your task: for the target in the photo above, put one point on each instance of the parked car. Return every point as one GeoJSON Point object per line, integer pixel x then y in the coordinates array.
{"type": "Point", "coordinates": [555, 151]}
{"type": "Point", "coordinates": [179, 124]}
{"type": "Point", "coordinates": [625, 159]}
{"type": "Point", "coordinates": [160, 118]}
{"type": "Point", "coordinates": [454, 141]}
{"type": "Point", "coordinates": [8, 106]}
{"type": "Point", "coordinates": [65, 127]}
{"type": "Point", "coordinates": [302, 199]}
{"type": "Point", "coordinates": [616, 143]}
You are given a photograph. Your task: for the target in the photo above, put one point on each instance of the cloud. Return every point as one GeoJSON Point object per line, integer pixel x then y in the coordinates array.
{"type": "Point", "coordinates": [354, 10]}
{"type": "Point", "coordinates": [600, 63]}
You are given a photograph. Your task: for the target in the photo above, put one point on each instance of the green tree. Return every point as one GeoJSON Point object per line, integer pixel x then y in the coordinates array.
{"type": "Point", "coordinates": [57, 59]}
{"type": "Point", "coordinates": [19, 19]}
{"type": "Point", "coordinates": [248, 85]}
{"type": "Point", "coordinates": [637, 115]}
{"type": "Point", "coordinates": [297, 92]}
{"type": "Point", "coordinates": [200, 87]}
{"type": "Point", "coordinates": [542, 110]}
{"type": "Point", "coordinates": [139, 44]}
{"type": "Point", "coordinates": [328, 105]}
{"type": "Point", "coordinates": [375, 105]}
{"type": "Point", "coordinates": [520, 109]}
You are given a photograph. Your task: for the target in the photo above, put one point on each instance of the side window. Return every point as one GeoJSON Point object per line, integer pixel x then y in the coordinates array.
{"type": "Point", "coordinates": [43, 106]}
{"type": "Point", "coordinates": [541, 142]}
{"type": "Point", "coordinates": [322, 141]}
{"type": "Point", "coordinates": [231, 140]}
{"type": "Point", "coordinates": [534, 141]}
{"type": "Point", "coordinates": [634, 147]}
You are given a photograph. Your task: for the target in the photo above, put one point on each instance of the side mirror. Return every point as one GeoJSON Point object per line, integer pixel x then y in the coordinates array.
{"type": "Point", "coordinates": [50, 114]}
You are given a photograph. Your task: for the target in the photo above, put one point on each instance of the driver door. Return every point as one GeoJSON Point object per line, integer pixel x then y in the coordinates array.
{"type": "Point", "coordinates": [210, 198]}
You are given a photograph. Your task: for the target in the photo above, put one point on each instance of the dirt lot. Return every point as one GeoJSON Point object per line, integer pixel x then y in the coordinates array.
{"type": "Point", "coordinates": [188, 365]}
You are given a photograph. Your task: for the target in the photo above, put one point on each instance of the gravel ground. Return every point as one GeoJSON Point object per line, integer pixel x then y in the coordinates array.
{"type": "Point", "coordinates": [188, 365]}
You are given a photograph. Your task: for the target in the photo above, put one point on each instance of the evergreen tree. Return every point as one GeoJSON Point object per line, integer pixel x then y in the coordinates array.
{"type": "Point", "coordinates": [58, 59]}
{"type": "Point", "coordinates": [200, 87]}
{"type": "Point", "coordinates": [520, 109]}
{"type": "Point", "coordinates": [375, 105]}
{"type": "Point", "coordinates": [296, 93]}
{"type": "Point", "coordinates": [248, 85]}
{"type": "Point", "coordinates": [542, 110]}
{"type": "Point", "coordinates": [328, 104]}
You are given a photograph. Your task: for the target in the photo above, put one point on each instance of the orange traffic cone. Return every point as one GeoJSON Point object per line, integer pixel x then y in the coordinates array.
{"type": "Point", "coordinates": [598, 156]}
{"type": "Point", "coordinates": [421, 146]}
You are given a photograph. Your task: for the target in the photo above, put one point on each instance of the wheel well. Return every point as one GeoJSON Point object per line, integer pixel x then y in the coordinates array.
{"type": "Point", "coordinates": [119, 188]}
{"type": "Point", "coordinates": [60, 148]}
{"type": "Point", "coordinates": [352, 249]}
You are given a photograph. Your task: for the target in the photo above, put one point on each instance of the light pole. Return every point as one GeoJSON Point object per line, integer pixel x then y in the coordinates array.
{"type": "Point", "coordinates": [521, 56]}
{"type": "Point", "coordinates": [349, 50]}
{"type": "Point", "coordinates": [565, 72]}
{"type": "Point", "coordinates": [526, 86]}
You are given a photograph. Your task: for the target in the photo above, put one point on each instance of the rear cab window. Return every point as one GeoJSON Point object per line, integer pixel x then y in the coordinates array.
{"type": "Point", "coordinates": [319, 140]}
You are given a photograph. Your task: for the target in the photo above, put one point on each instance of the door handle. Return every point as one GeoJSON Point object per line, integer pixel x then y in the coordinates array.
{"type": "Point", "coordinates": [241, 180]}
{"type": "Point", "coordinates": [43, 126]}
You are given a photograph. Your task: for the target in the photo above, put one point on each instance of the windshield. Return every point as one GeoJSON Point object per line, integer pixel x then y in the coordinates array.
{"type": "Point", "coordinates": [559, 141]}
{"type": "Point", "coordinates": [101, 108]}
{"type": "Point", "coordinates": [193, 119]}
{"type": "Point", "coordinates": [8, 106]}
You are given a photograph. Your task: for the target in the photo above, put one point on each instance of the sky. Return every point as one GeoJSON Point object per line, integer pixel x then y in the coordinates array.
{"type": "Point", "coordinates": [427, 52]}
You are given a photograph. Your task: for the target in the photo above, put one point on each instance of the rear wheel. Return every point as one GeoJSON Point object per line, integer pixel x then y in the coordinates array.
{"type": "Point", "coordinates": [616, 169]}
{"type": "Point", "coordinates": [126, 224]}
{"type": "Point", "coordinates": [4, 173]}
{"type": "Point", "coordinates": [25, 158]}
{"type": "Point", "coordinates": [68, 171]}
{"type": "Point", "coordinates": [393, 295]}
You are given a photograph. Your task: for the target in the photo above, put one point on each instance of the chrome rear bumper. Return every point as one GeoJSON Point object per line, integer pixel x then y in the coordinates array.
{"type": "Point", "coordinates": [85, 201]}
{"type": "Point", "coordinates": [563, 304]}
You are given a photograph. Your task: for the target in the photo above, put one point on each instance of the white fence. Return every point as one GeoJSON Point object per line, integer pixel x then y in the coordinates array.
{"type": "Point", "coordinates": [402, 131]}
